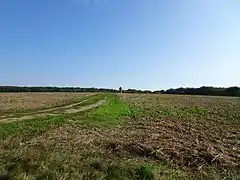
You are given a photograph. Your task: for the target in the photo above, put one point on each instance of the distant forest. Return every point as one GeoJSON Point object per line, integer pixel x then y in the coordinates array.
{"type": "Point", "coordinates": [214, 91]}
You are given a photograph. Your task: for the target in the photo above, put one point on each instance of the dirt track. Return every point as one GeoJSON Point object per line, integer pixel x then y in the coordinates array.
{"type": "Point", "coordinates": [69, 109]}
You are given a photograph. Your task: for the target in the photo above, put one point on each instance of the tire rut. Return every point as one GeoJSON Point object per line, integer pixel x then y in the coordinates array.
{"type": "Point", "coordinates": [49, 112]}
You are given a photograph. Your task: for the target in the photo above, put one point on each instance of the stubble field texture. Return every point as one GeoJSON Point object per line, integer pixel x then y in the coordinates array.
{"type": "Point", "coordinates": [120, 136]}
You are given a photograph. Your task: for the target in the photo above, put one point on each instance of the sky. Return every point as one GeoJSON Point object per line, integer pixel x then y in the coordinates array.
{"type": "Point", "coordinates": [142, 44]}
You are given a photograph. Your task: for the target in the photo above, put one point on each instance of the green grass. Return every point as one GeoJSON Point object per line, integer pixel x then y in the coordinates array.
{"type": "Point", "coordinates": [93, 99]}
{"type": "Point", "coordinates": [110, 113]}
{"type": "Point", "coordinates": [150, 171]}
{"type": "Point", "coordinates": [31, 128]}
{"type": "Point", "coordinates": [114, 108]}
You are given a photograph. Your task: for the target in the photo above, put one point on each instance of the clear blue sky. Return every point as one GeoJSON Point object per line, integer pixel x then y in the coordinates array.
{"type": "Point", "coordinates": [145, 44]}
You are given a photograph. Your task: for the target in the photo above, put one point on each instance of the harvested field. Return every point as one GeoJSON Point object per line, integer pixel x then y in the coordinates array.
{"type": "Point", "coordinates": [198, 132]}
{"type": "Point", "coordinates": [15, 102]}
{"type": "Point", "coordinates": [131, 136]}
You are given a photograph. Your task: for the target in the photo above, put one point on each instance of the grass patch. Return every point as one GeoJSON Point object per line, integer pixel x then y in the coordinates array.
{"type": "Point", "coordinates": [151, 171]}
{"type": "Point", "coordinates": [108, 114]}
{"type": "Point", "coordinates": [28, 128]}
{"type": "Point", "coordinates": [194, 110]}
{"type": "Point", "coordinates": [92, 100]}
{"type": "Point", "coordinates": [114, 108]}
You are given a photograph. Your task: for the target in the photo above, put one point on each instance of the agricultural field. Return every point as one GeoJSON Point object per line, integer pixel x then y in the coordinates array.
{"type": "Point", "coordinates": [121, 136]}
{"type": "Point", "coordinates": [18, 102]}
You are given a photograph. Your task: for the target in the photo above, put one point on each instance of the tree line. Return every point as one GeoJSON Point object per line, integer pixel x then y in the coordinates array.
{"type": "Point", "coordinates": [204, 90]}
{"type": "Point", "coordinates": [214, 91]}
{"type": "Point", "coordinates": [52, 89]}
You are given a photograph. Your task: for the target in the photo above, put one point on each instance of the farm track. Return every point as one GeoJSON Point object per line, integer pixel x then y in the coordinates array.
{"type": "Point", "coordinates": [68, 109]}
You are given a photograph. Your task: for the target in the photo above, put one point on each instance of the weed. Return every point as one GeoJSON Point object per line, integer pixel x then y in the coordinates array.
{"type": "Point", "coordinates": [145, 172]}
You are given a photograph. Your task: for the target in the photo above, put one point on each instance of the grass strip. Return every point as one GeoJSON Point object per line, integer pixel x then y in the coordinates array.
{"type": "Point", "coordinates": [108, 114]}
{"type": "Point", "coordinates": [92, 100]}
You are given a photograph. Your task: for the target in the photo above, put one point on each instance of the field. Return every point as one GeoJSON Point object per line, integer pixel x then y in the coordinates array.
{"type": "Point", "coordinates": [17, 102]}
{"type": "Point", "coordinates": [119, 136]}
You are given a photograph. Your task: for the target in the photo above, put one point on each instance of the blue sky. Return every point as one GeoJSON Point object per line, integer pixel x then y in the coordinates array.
{"type": "Point", "coordinates": [144, 44]}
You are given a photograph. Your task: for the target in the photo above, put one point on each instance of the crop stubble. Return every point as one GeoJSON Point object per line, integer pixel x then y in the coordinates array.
{"type": "Point", "coordinates": [198, 132]}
